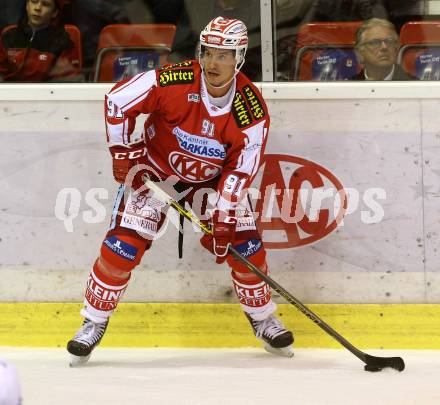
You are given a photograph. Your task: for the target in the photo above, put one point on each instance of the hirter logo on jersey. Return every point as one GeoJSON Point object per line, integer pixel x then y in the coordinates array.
{"type": "Point", "coordinates": [193, 169]}
{"type": "Point", "coordinates": [179, 76]}
{"type": "Point", "coordinates": [254, 102]}
{"type": "Point", "coordinates": [241, 111]}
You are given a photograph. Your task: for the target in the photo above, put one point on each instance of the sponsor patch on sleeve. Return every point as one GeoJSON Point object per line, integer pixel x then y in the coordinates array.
{"type": "Point", "coordinates": [241, 111]}
{"type": "Point", "coordinates": [177, 76]}
{"type": "Point", "coordinates": [249, 248]}
{"type": "Point", "coordinates": [121, 248]}
{"type": "Point", "coordinates": [254, 102]}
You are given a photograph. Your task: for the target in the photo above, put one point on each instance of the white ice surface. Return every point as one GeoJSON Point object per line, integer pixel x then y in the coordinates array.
{"type": "Point", "coordinates": [223, 377]}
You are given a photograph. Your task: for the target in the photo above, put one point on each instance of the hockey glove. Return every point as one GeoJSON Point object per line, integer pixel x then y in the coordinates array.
{"type": "Point", "coordinates": [223, 234]}
{"type": "Point", "coordinates": [124, 159]}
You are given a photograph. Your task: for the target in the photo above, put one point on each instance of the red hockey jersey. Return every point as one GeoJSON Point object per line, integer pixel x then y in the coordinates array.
{"type": "Point", "coordinates": [186, 135]}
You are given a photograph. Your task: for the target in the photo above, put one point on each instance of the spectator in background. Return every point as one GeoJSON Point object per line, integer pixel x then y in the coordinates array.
{"type": "Point", "coordinates": [10, 392]}
{"type": "Point", "coordinates": [291, 14]}
{"type": "Point", "coordinates": [377, 46]}
{"type": "Point", "coordinates": [39, 48]}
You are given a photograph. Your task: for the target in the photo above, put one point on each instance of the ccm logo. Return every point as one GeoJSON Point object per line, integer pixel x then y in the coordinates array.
{"type": "Point", "coordinates": [134, 154]}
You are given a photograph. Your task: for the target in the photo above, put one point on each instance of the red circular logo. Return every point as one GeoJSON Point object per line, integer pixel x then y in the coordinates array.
{"type": "Point", "coordinates": [300, 201]}
{"type": "Point", "coordinates": [191, 168]}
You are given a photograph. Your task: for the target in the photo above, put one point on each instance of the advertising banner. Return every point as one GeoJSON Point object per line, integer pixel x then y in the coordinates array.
{"type": "Point", "coordinates": [346, 200]}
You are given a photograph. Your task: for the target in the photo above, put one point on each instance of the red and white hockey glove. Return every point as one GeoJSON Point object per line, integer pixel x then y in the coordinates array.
{"type": "Point", "coordinates": [124, 159]}
{"type": "Point", "coordinates": [223, 234]}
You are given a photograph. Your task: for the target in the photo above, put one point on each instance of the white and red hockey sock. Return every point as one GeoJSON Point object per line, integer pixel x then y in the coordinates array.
{"type": "Point", "coordinates": [102, 295]}
{"type": "Point", "coordinates": [255, 298]}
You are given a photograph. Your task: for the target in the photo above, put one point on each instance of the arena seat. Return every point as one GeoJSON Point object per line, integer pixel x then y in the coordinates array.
{"type": "Point", "coordinates": [419, 54]}
{"type": "Point", "coordinates": [325, 51]}
{"type": "Point", "coordinates": [75, 36]}
{"type": "Point", "coordinates": [127, 49]}
{"type": "Point", "coordinates": [75, 55]}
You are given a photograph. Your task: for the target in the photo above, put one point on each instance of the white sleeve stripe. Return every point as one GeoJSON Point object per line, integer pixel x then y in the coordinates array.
{"type": "Point", "coordinates": [130, 82]}
{"type": "Point", "coordinates": [137, 100]}
{"type": "Point", "coordinates": [125, 131]}
{"type": "Point", "coordinates": [255, 165]}
{"type": "Point", "coordinates": [134, 92]}
{"type": "Point", "coordinates": [258, 156]}
{"type": "Point", "coordinates": [106, 131]}
{"type": "Point", "coordinates": [249, 158]}
{"type": "Point", "coordinates": [122, 129]}
{"type": "Point", "coordinates": [115, 133]}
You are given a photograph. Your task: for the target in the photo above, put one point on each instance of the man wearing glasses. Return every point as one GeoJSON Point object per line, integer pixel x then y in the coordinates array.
{"type": "Point", "coordinates": [377, 46]}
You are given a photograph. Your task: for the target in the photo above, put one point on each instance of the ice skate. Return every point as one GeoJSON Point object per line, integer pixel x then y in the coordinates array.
{"type": "Point", "coordinates": [277, 339]}
{"type": "Point", "coordinates": [86, 339]}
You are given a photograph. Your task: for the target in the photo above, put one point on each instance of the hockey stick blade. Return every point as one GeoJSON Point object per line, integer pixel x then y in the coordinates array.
{"type": "Point", "coordinates": [372, 363]}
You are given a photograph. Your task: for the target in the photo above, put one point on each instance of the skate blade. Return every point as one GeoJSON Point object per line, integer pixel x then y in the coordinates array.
{"type": "Point", "coordinates": [78, 361]}
{"type": "Point", "coordinates": [283, 352]}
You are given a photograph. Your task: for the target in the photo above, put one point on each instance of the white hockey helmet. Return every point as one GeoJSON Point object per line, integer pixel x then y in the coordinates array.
{"type": "Point", "coordinates": [226, 33]}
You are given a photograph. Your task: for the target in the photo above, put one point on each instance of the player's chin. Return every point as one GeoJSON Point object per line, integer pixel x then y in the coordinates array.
{"type": "Point", "coordinates": [216, 82]}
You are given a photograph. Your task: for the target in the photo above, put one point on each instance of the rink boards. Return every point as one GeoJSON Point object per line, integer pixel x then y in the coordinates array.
{"type": "Point", "coordinates": [377, 145]}
{"type": "Point", "coordinates": [223, 325]}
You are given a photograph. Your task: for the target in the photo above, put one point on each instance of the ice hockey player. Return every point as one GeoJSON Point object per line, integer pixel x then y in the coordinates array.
{"type": "Point", "coordinates": [208, 125]}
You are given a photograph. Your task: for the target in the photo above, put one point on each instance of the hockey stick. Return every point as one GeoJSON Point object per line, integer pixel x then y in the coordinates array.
{"type": "Point", "coordinates": [372, 363]}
